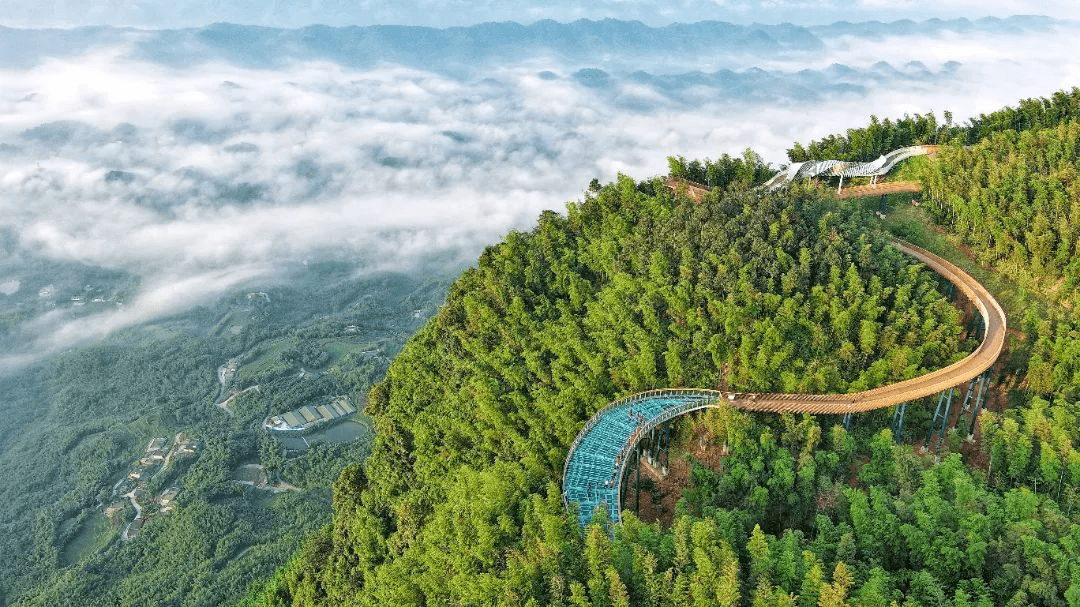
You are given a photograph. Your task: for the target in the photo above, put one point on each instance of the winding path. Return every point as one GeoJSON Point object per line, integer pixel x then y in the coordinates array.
{"type": "Point", "coordinates": [594, 467]}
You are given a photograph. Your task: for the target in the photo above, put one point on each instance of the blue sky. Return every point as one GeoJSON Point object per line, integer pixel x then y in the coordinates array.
{"type": "Point", "coordinates": [445, 13]}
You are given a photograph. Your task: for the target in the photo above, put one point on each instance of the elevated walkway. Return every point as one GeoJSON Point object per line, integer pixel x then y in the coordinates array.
{"type": "Point", "coordinates": [592, 474]}
{"type": "Point", "coordinates": [840, 168]}
{"type": "Point", "coordinates": [828, 168]}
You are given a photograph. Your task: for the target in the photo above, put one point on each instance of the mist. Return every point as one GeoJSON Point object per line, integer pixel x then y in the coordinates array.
{"type": "Point", "coordinates": [192, 170]}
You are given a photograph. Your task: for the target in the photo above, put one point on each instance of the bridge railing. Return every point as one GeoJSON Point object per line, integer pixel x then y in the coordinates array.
{"type": "Point", "coordinates": [633, 398]}
{"type": "Point", "coordinates": [708, 399]}
{"type": "Point", "coordinates": [698, 399]}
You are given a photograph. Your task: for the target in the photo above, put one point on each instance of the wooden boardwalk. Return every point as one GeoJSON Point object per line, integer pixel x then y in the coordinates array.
{"type": "Point", "coordinates": [887, 187]}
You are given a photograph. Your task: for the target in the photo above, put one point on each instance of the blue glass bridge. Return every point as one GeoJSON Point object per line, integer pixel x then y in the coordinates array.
{"type": "Point", "coordinates": [598, 457]}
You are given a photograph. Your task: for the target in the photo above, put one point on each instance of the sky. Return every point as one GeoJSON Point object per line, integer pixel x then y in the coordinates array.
{"type": "Point", "coordinates": [448, 13]}
{"type": "Point", "coordinates": [199, 164]}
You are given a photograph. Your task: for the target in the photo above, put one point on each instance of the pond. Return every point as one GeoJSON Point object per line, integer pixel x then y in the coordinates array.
{"type": "Point", "coordinates": [344, 432]}
{"type": "Point", "coordinates": [291, 442]}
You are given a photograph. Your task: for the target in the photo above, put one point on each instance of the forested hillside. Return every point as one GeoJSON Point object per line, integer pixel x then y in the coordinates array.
{"type": "Point", "coordinates": [883, 136]}
{"type": "Point", "coordinates": [725, 172]}
{"type": "Point", "coordinates": [459, 502]}
{"type": "Point", "coordinates": [1015, 199]}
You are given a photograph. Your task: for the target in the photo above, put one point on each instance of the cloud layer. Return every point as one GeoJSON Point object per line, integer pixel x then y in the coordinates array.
{"type": "Point", "coordinates": [227, 164]}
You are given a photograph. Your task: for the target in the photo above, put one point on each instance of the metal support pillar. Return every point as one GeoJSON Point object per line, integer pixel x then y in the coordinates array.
{"type": "Point", "coordinates": [979, 327]}
{"type": "Point", "coordinates": [947, 288]}
{"type": "Point", "coordinates": [941, 418]}
{"type": "Point", "coordinates": [637, 483]}
{"type": "Point", "coordinates": [897, 425]}
{"type": "Point", "coordinates": [969, 399]}
{"type": "Point", "coordinates": [965, 407]}
{"type": "Point", "coordinates": [975, 399]}
{"type": "Point", "coordinates": [979, 402]}
{"type": "Point", "coordinates": [622, 487]}
{"type": "Point", "coordinates": [847, 422]}
{"type": "Point", "coordinates": [667, 442]}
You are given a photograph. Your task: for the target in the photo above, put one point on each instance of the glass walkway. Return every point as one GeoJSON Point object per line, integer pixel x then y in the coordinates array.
{"type": "Point", "coordinates": [598, 457]}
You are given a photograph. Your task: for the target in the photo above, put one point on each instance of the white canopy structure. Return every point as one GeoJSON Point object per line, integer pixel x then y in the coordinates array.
{"type": "Point", "coordinates": [840, 168]}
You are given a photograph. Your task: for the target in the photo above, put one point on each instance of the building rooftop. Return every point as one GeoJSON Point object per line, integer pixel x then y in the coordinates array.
{"type": "Point", "coordinates": [292, 419]}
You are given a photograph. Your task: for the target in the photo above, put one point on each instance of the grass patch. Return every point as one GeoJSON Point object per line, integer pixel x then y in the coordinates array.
{"type": "Point", "coordinates": [145, 428]}
{"type": "Point", "coordinates": [911, 169]}
{"type": "Point", "coordinates": [872, 202]}
{"type": "Point", "coordinates": [339, 349]}
{"type": "Point", "coordinates": [266, 359]}
{"type": "Point", "coordinates": [96, 533]}
{"type": "Point", "coordinates": [230, 319]}
{"type": "Point", "coordinates": [262, 499]}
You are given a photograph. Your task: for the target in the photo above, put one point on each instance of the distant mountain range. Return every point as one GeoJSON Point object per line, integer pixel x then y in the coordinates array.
{"type": "Point", "coordinates": [461, 48]}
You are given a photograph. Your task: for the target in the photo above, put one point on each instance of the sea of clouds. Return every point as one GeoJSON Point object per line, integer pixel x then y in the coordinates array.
{"type": "Point", "coordinates": [199, 162]}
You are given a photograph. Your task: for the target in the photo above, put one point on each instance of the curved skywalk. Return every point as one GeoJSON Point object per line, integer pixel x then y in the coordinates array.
{"type": "Point", "coordinates": [592, 474]}
{"type": "Point", "coordinates": [593, 470]}
{"type": "Point", "coordinates": [840, 168]}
